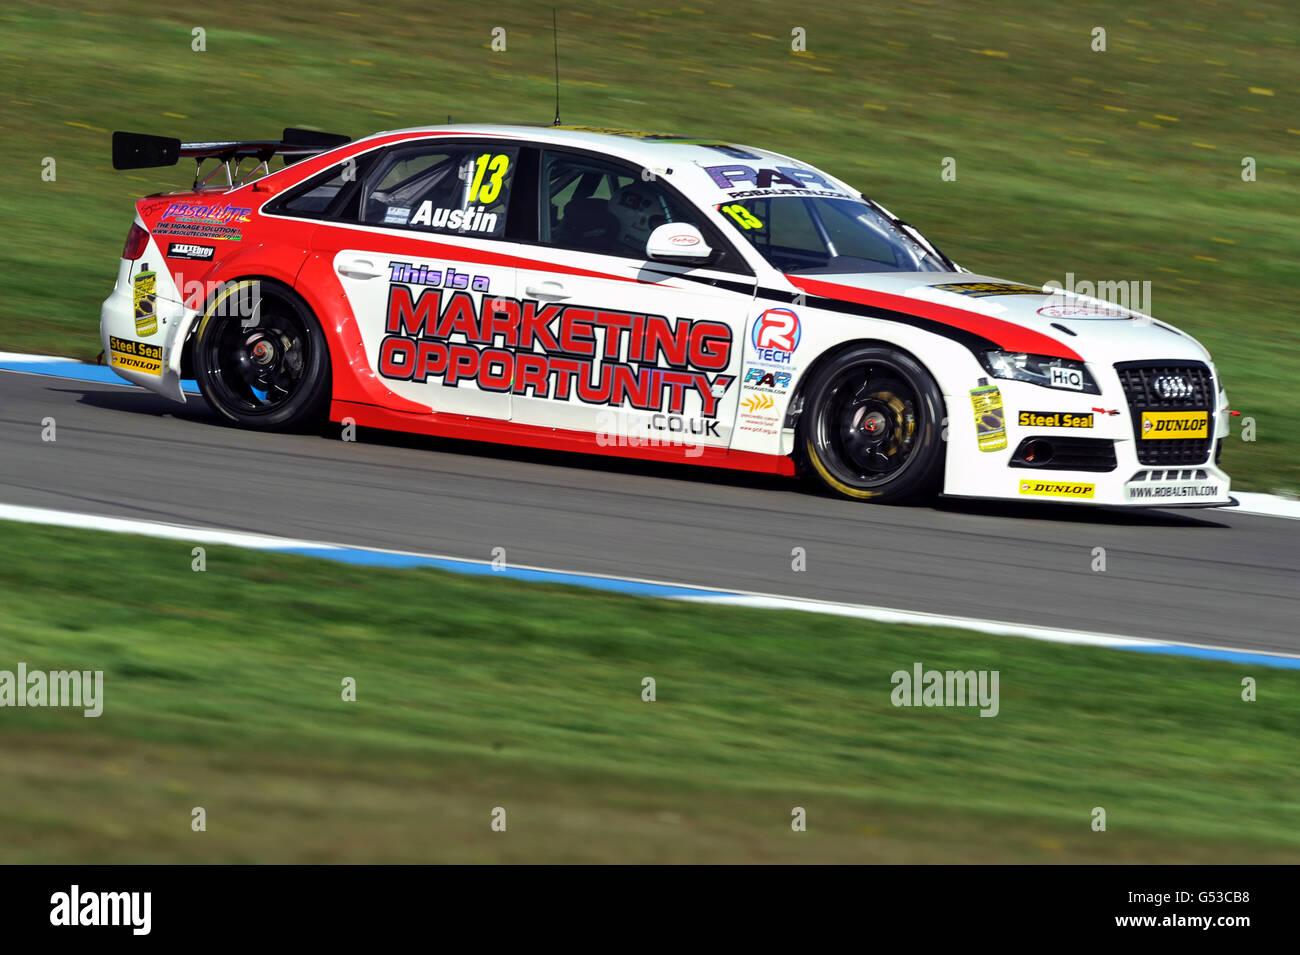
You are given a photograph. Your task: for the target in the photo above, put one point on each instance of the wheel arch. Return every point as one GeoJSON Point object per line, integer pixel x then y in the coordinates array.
{"type": "Point", "coordinates": [795, 408]}
{"type": "Point", "coordinates": [192, 333]}
{"type": "Point", "coordinates": [808, 461]}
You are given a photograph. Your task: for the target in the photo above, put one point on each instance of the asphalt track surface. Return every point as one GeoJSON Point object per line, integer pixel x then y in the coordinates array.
{"type": "Point", "coordinates": [1194, 576]}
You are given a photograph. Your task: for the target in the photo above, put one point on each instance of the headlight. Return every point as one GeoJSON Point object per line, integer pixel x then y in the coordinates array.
{"type": "Point", "coordinates": [1041, 370]}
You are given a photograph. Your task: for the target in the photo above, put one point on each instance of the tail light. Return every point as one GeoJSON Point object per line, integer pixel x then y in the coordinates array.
{"type": "Point", "coordinates": [136, 240]}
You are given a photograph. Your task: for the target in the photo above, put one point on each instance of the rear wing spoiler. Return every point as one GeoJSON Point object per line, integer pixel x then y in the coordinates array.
{"type": "Point", "coordinates": [142, 151]}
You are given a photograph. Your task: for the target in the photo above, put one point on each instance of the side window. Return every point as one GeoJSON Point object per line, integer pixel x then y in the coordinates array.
{"type": "Point", "coordinates": [332, 194]}
{"type": "Point", "coordinates": [593, 206]}
{"type": "Point", "coordinates": [461, 189]}
{"type": "Point", "coordinates": [317, 199]}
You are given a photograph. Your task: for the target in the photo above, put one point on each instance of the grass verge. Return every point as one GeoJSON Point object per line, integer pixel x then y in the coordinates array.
{"type": "Point", "coordinates": [222, 689]}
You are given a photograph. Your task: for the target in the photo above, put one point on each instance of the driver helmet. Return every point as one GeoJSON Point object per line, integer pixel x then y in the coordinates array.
{"type": "Point", "coordinates": [639, 212]}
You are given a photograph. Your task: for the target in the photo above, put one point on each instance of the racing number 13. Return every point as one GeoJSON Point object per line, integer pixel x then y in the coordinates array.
{"type": "Point", "coordinates": [495, 168]}
{"type": "Point", "coordinates": [744, 218]}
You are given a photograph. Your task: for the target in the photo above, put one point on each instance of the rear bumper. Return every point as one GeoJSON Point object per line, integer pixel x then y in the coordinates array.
{"type": "Point", "coordinates": [144, 350]}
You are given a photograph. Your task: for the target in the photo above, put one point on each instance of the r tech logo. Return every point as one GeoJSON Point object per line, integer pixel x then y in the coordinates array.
{"type": "Point", "coordinates": [776, 335]}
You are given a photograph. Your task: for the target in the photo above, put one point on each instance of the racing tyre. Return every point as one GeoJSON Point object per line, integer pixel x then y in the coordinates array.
{"type": "Point", "coordinates": [871, 427]}
{"type": "Point", "coordinates": [261, 359]}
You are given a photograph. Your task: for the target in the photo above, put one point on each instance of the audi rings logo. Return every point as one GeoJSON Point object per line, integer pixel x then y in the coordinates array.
{"type": "Point", "coordinates": [1171, 386]}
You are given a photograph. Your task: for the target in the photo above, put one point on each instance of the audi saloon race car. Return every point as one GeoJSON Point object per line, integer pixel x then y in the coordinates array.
{"type": "Point", "coordinates": [643, 295]}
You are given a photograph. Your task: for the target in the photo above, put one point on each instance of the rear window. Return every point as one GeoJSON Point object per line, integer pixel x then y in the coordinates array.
{"type": "Point", "coordinates": [318, 198]}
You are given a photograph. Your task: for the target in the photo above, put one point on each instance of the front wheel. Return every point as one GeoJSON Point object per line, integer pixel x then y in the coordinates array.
{"type": "Point", "coordinates": [871, 428]}
{"type": "Point", "coordinates": [261, 359]}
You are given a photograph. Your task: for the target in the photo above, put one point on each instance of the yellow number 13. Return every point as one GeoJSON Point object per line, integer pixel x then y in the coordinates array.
{"type": "Point", "coordinates": [494, 169]}
{"type": "Point", "coordinates": [744, 218]}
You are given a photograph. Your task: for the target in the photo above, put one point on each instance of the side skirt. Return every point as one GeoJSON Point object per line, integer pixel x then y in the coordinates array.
{"type": "Point", "coordinates": [465, 428]}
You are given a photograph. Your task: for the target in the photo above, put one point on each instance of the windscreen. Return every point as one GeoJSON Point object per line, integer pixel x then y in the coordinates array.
{"type": "Point", "coordinates": [807, 234]}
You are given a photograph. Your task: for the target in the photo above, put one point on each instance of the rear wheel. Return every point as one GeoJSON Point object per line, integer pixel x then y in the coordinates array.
{"type": "Point", "coordinates": [261, 359]}
{"type": "Point", "coordinates": [871, 426]}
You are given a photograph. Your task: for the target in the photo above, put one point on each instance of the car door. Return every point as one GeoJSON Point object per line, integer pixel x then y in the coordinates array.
{"type": "Point", "coordinates": [635, 351]}
{"type": "Point", "coordinates": [421, 262]}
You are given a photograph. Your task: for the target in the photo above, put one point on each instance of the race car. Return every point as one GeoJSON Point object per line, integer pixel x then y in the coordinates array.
{"type": "Point", "coordinates": [644, 295]}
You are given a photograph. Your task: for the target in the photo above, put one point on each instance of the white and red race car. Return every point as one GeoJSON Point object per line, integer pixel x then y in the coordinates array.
{"type": "Point", "coordinates": [649, 296]}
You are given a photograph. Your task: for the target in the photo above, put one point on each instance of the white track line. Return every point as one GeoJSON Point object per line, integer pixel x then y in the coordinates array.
{"type": "Point", "coordinates": [14, 356]}
{"type": "Point", "coordinates": [1269, 505]}
{"type": "Point", "coordinates": [689, 593]}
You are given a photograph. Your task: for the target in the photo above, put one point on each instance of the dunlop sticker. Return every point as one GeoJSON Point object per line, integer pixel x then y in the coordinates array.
{"type": "Point", "coordinates": [1066, 489]}
{"type": "Point", "coordinates": [135, 356]}
{"type": "Point", "coordinates": [990, 417]}
{"type": "Point", "coordinates": [1159, 425]}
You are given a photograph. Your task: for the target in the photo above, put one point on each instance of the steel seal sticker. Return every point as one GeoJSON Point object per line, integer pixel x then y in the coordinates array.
{"type": "Point", "coordinates": [1054, 419]}
{"type": "Point", "coordinates": [1066, 489]}
{"type": "Point", "coordinates": [144, 295]}
{"type": "Point", "coordinates": [1165, 425]}
{"type": "Point", "coordinates": [985, 289]}
{"type": "Point", "coordinates": [990, 417]}
{"type": "Point", "coordinates": [135, 356]}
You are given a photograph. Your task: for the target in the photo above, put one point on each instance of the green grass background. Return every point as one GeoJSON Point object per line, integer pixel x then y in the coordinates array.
{"type": "Point", "coordinates": [1123, 165]}
{"type": "Point", "coordinates": [222, 689]}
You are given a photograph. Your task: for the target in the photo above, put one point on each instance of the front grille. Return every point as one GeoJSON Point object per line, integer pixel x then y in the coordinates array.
{"type": "Point", "coordinates": [1138, 379]}
{"type": "Point", "coordinates": [1067, 454]}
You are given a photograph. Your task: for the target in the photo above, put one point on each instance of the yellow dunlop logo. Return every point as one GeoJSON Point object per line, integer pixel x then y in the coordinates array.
{"type": "Point", "coordinates": [1065, 489]}
{"type": "Point", "coordinates": [1157, 425]}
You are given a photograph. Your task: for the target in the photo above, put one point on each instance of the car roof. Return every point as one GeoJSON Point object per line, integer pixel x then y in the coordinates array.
{"type": "Point", "coordinates": [647, 148]}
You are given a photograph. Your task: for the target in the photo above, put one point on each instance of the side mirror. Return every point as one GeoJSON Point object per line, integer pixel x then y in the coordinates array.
{"type": "Point", "coordinates": [678, 242]}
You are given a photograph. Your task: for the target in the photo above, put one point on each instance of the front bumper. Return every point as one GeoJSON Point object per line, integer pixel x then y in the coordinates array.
{"type": "Point", "coordinates": [1107, 469]}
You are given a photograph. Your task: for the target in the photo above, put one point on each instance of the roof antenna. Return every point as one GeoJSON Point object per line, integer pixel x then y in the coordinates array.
{"type": "Point", "coordinates": [555, 36]}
